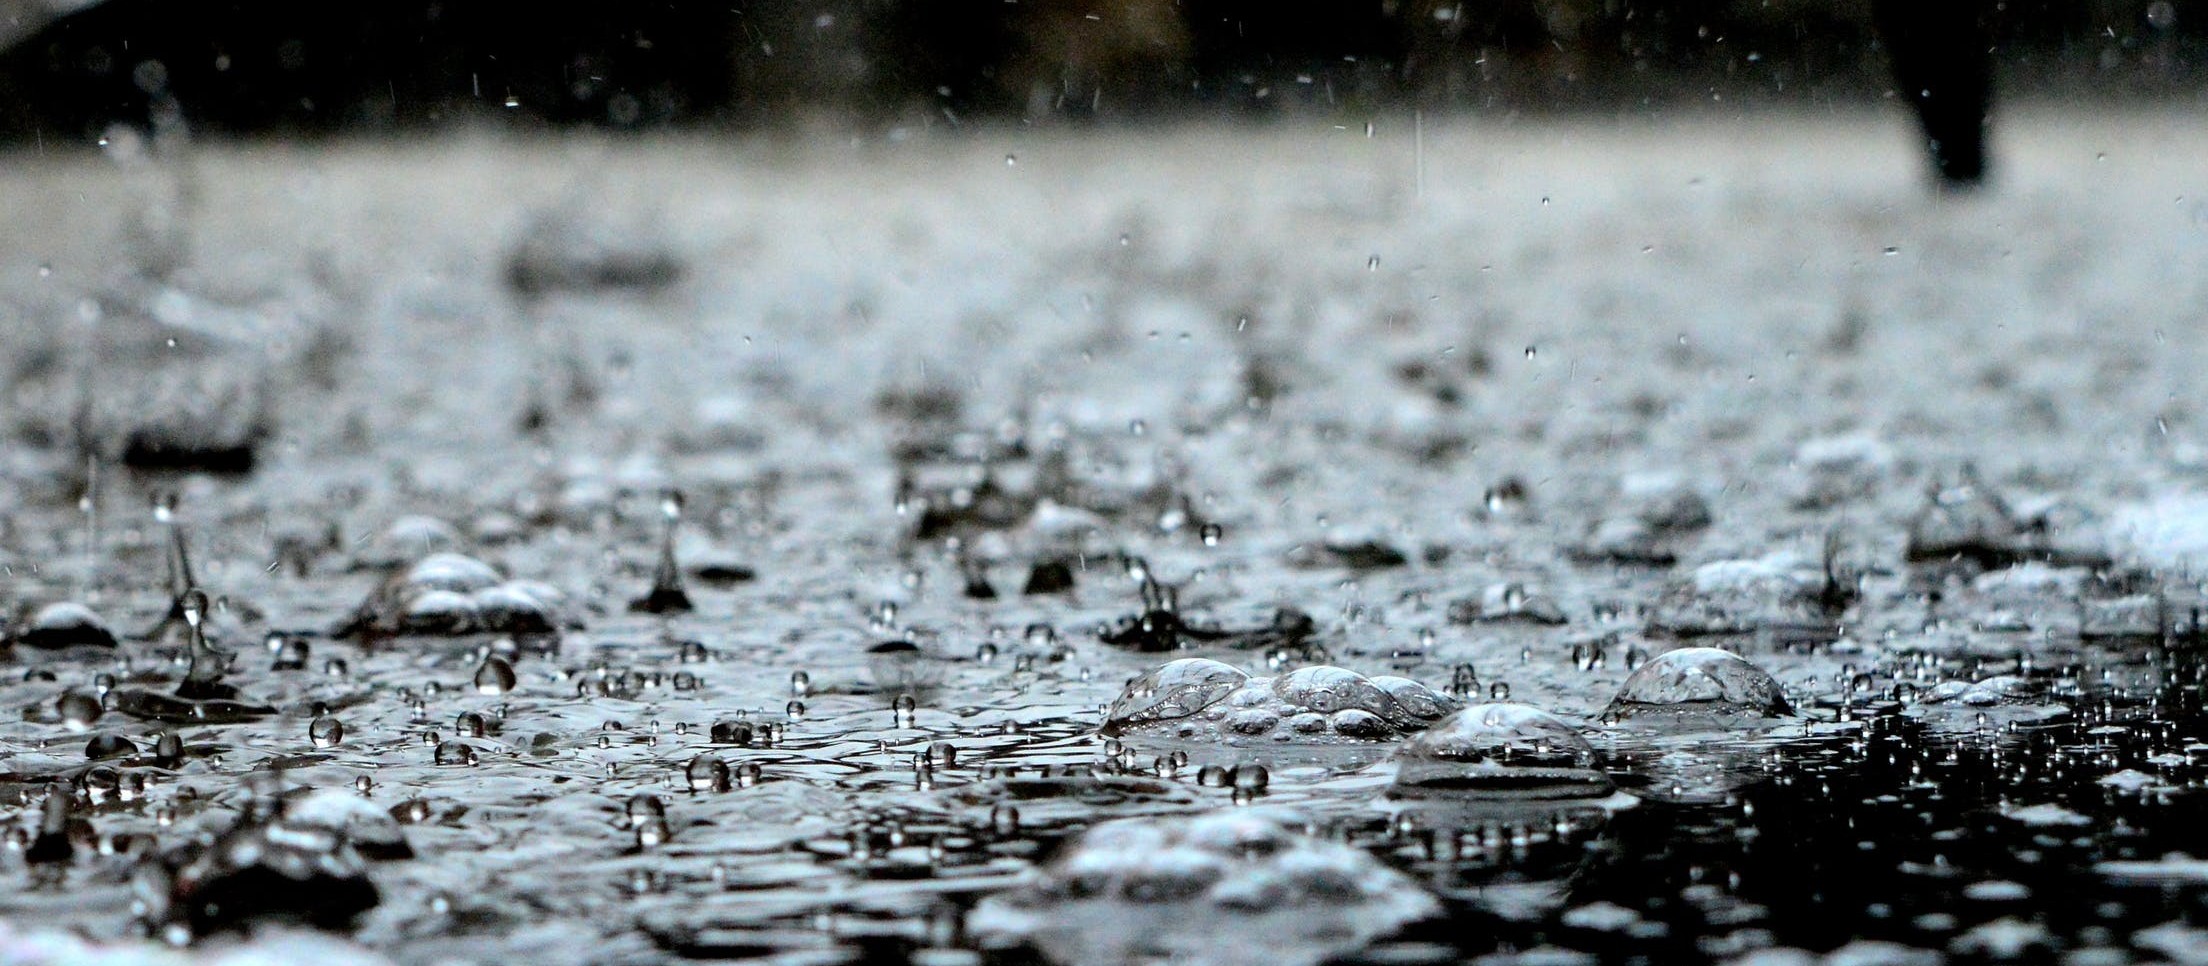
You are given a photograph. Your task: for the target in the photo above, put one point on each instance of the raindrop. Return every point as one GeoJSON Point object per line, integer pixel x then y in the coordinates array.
{"type": "Point", "coordinates": [1698, 680]}
{"type": "Point", "coordinates": [77, 710]}
{"type": "Point", "coordinates": [290, 653]}
{"type": "Point", "coordinates": [731, 733]}
{"type": "Point", "coordinates": [667, 595]}
{"type": "Point", "coordinates": [1004, 821]}
{"type": "Point", "coordinates": [707, 773]}
{"type": "Point", "coordinates": [106, 745]}
{"type": "Point", "coordinates": [326, 732]}
{"type": "Point", "coordinates": [494, 676]}
{"type": "Point", "coordinates": [455, 753]}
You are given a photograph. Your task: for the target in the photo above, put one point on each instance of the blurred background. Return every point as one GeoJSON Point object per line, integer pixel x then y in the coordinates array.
{"type": "Point", "coordinates": [71, 68]}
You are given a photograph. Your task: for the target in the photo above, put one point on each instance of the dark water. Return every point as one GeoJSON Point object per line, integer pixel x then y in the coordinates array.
{"type": "Point", "coordinates": [1465, 433]}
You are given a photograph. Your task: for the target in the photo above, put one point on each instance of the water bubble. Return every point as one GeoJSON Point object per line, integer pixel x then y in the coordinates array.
{"type": "Point", "coordinates": [1507, 751]}
{"type": "Point", "coordinates": [943, 753]}
{"type": "Point", "coordinates": [494, 676]}
{"type": "Point", "coordinates": [901, 666]}
{"type": "Point", "coordinates": [64, 624]}
{"type": "Point", "coordinates": [473, 724]}
{"type": "Point", "coordinates": [1004, 821]}
{"type": "Point", "coordinates": [77, 710]}
{"type": "Point", "coordinates": [1201, 698]}
{"type": "Point", "coordinates": [105, 745]}
{"type": "Point", "coordinates": [1211, 534]}
{"type": "Point", "coordinates": [290, 653]}
{"type": "Point", "coordinates": [1698, 681]}
{"type": "Point", "coordinates": [747, 774]}
{"type": "Point", "coordinates": [326, 732]}
{"type": "Point", "coordinates": [707, 773]}
{"type": "Point", "coordinates": [1241, 886]}
{"type": "Point", "coordinates": [731, 733]}
{"type": "Point", "coordinates": [455, 753]}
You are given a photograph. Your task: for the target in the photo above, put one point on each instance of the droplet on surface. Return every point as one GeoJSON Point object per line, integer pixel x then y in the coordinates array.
{"type": "Point", "coordinates": [64, 624]}
{"type": "Point", "coordinates": [326, 732]}
{"type": "Point", "coordinates": [1499, 752]}
{"type": "Point", "coordinates": [494, 676]}
{"type": "Point", "coordinates": [667, 595]}
{"type": "Point", "coordinates": [1241, 886]}
{"type": "Point", "coordinates": [1698, 681]}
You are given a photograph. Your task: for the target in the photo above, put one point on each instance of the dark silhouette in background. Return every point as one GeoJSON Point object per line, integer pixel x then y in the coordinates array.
{"type": "Point", "coordinates": [1943, 63]}
{"type": "Point", "coordinates": [262, 66]}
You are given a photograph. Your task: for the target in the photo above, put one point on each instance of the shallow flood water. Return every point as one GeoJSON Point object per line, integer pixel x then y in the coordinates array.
{"type": "Point", "coordinates": [970, 434]}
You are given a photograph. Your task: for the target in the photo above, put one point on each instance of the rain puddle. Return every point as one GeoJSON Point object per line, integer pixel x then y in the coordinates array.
{"type": "Point", "coordinates": [1016, 565]}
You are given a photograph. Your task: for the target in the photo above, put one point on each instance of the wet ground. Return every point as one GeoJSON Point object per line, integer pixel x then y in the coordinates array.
{"type": "Point", "coordinates": [1504, 410]}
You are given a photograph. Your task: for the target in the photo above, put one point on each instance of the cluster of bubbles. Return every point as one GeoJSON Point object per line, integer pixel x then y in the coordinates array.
{"type": "Point", "coordinates": [1245, 888]}
{"type": "Point", "coordinates": [1206, 700]}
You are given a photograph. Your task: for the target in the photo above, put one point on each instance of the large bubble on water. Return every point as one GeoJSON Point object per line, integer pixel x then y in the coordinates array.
{"type": "Point", "coordinates": [1205, 700]}
{"type": "Point", "coordinates": [1499, 752]}
{"type": "Point", "coordinates": [1701, 683]}
{"type": "Point", "coordinates": [1784, 595]}
{"type": "Point", "coordinates": [447, 594]}
{"type": "Point", "coordinates": [1233, 888]}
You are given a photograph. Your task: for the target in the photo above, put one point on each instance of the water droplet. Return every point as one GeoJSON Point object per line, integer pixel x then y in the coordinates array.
{"type": "Point", "coordinates": [77, 710]}
{"type": "Point", "coordinates": [707, 773]}
{"type": "Point", "coordinates": [326, 732]}
{"type": "Point", "coordinates": [1698, 681]}
{"type": "Point", "coordinates": [1510, 751]}
{"type": "Point", "coordinates": [494, 676]}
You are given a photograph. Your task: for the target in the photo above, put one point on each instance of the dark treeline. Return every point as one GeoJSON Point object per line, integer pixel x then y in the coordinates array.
{"type": "Point", "coordinates": [349, 65]}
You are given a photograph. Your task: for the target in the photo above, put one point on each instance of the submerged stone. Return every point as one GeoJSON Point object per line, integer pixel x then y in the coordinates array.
{"type": "Point", "coordinates": [1239, 888]}
{"type": "Point", "coordinates": [1499, 751]}
{"type": "Point", "coordinates": [1206, 700]}
{"type": "Point", "coordinates": [1697, 682]}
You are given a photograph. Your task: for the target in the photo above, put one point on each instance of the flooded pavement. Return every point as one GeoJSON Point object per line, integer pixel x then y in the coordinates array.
{"type": "Point", "coordinates": [646, 551]}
